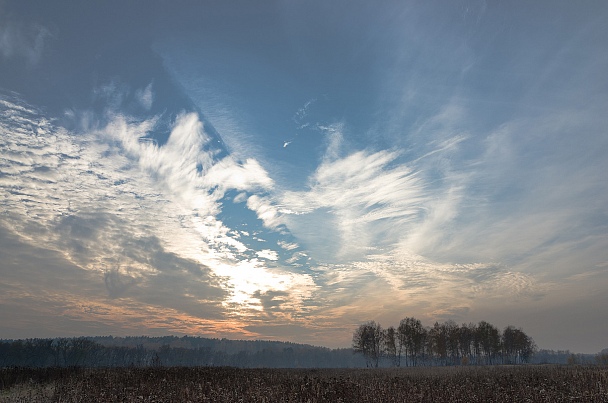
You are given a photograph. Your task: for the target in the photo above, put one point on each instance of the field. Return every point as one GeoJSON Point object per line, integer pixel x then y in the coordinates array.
{"type": "Point", "coordinates": [207, 384]}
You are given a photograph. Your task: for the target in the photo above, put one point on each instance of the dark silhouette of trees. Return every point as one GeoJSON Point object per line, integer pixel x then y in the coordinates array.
{"type": "Point", "coordinates": [517, 346]}
{"type": "Point", "coordinates": [489, 341]}
{"type": "Point", "coordinates": [368, 340]}
{"type": "Point", "coordinates": [444, 343]}
{"type": "Point", "coordinates": [170, 351]}
{"type": "Point", "coordinates": [390, 345]}
{"type": "Point", "coordinates": [452, 332]}
{"type": "Point", "coordinates": [602, 357]}
{"type": "Point", "coordinates": [438, 342]}
{"type": "Point", "coordinates": [466, 335]}
{"type": "Point", "coordinates": [412, 337]}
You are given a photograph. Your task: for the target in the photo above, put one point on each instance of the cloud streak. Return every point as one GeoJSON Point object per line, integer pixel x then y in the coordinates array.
{"type": "Point", "coordinates": [364, 197]}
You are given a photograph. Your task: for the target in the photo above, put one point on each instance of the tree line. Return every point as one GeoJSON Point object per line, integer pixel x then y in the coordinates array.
{"type": "Point", "coordinates": [447, 343]}
{"type": "Point", "coordinates": [170, 351]}
{"type": "Point", "coordinates": [407, 345]}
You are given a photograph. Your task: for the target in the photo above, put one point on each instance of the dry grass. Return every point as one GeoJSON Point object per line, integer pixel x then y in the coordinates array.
{"type": "Point", "coordinates": [454, 384]}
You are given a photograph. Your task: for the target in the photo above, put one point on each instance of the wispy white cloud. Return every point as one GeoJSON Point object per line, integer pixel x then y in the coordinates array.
{"type": "Point", "coordinates": [534, 187]}
{"type": "Point", "coordinates": [266, 210]}
{"type": "Point", "coordinates": [368, 196]}
{"type": "Point", "coordinates": [288, 245]}
{"type": "Point", "coordinates": [230, 174]}
{"type": "Point", "coordinates": [18, 40]}
{"type": "Point", "coordinates": [268, 254]}
{"type": "Point", "coordinates": [145, 96]}
{"type": "Point", "coordinates": [300, 118]}
{"type": "Point", "coordinates": [334, 140]}
{"type": "Point", "coordinates": [216, 100]}
{"type": "Point", "coordinates": [184, 166]}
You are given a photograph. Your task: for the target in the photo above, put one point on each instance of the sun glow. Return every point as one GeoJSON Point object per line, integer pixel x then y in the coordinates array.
{"type": "Point", "coordinates": [247, 279]}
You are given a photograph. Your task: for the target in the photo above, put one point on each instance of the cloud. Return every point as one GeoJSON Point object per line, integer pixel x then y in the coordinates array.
{"type": "Point", "coordinates": [393, 285]}
{"type": "Point", "coordinates": [213, 98]}
{"type": "Point", "coordinates": [288, 245]}
{"type": "Point", "coordinates": [251, 277]}
{"type": "Point", "coordinates": [146, 222]}
{"type": "Point", "coordinates": [299, 118]}
{"type": "Point", "coordinates": [143, 217]}
{"type": "Point", "coordinates": [268, 254]}
{"type": "Point", "coordinates": [230, 174]}
{"type": "Point", "coordinates": [118, 283]}
{"type": "Point", "coordinates": [18, 40]}
{"type": "Point", "coordinates": [48, 295]}
{"type": "Point", "coordinates": [334, 140]}
{"type": "Point", "coordinates": [302, 113]}
{"type": "Point", "coordinates": [186, 163]}
{"type": "Point", "coordinates": [367, 200]}
{"type": "Point", "coordinates": [186, 172]}
{"type": "Point", "coordinates": [145, 97]}
{"type": "Point", "coordinates": [266, 211]}
{"type": "Point", "coordinates": [532, 193]}
{"type": "Point", "coordinates": [479, 205]}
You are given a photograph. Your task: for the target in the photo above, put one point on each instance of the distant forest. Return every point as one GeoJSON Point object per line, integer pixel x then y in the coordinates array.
{"type": "Point", "coordinates": [412, 344]}
{"type": "Point", "coordinates": [189, 351]}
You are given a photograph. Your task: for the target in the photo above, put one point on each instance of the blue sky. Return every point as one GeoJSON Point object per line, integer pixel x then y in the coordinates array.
{"type": "Point", "coordinates": [287, 170]}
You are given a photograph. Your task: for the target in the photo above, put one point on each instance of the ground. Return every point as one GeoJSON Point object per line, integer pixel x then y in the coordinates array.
{"type": "Point", "coordinates": [209, 384]}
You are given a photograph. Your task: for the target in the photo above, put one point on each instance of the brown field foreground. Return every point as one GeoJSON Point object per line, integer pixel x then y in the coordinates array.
{"type": "Point", "coordinates": [208, 384]}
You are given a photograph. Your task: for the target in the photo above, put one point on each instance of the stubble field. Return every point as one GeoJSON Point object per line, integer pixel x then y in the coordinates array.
{"type": "Point", "coordinates": [208, 384]}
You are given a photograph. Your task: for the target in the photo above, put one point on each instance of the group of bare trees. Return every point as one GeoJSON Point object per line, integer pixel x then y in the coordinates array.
{"type": "Point", "coordinates": [446, 343]}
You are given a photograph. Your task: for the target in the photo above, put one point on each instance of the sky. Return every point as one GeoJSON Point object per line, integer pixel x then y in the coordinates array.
{"type": "Point", "coordinates": [287, 170]}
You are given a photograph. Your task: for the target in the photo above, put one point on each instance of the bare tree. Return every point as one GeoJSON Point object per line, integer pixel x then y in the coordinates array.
{"type": "Point", "coordinates": [438, 342]}
{"type": "Point", "coordinates": [466, 335]}
{"type": "Point", "coordinates": [367, 339]}
{"type": "Point", "coordinates": [444, 344]}
{"type": "Point", "coordinates": [489, 339]}
{"type": "Point", "coordinates": [411, 336]}
{"type": "Point", "coordinates": [517, 347]}
{"type": "Point", "coordinates": [452, 340]}
{"type": "Point", "coordinates": [390, 345]}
